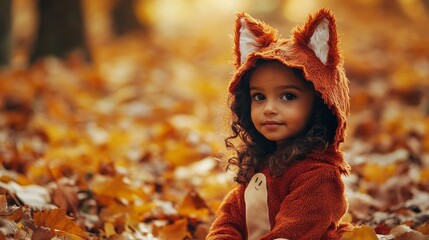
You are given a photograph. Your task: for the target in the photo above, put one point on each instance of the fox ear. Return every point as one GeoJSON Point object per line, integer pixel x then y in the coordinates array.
{"type": "Point", "coordinates": [320, 35]}
{"type": "Point", "coordinates": [250, 35]}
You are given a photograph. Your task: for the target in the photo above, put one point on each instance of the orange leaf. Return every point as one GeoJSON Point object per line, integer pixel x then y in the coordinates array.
{"type": "Point", "coordinates": [116, 187]}
{"type": "Point", "coordinates": [424, 229]}
{"type": "Point", "coordinates": [56, 219]}
{"type": "Point", "coordinates": [181, 153]}
{"type": "Point", "coordinates": [3, 204]}
{"type": "Point", "coordinates": [176, 231]}
{"type": "Point", "coordinates": [360, 233]}
{"type": "Point", "coordinates": [424, 175]}
{"type": "Point", "coordinates": [193, 206]}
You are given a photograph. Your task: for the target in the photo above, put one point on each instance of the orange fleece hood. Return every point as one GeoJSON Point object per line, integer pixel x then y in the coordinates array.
{"type": "Point", "coordinates": [312, 48]}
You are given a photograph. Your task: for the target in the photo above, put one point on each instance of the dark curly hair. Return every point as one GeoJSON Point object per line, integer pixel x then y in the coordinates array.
{"type": "Point", "coordinates": [256, 151]}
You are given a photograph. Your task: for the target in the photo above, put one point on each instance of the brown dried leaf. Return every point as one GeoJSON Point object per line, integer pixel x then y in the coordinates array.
{"type": "Point", "coordinates": [65, 197]}
{"type": "Point", "coordinates": [57, 220]}
{"type": "Point", "coordinates": [42, 233]}
{"type": "Point", "coordinates": [403, 232]}
{"type": "Point", "coordinates": [3, 205]}
{"type": "Point", "coordinates": [412, 236]}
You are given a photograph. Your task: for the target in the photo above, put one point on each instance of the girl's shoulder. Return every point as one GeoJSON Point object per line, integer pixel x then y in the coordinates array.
{"type": "Point", "coordinates": [310, 171]}
{"type": "Point", "coordinates": [329, 158]}
{"type": "Point", "coordinates": [312, 165]}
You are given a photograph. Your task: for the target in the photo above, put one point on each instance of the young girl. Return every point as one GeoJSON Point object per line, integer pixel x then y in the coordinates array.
{"type": "Point", "coordinates": [289, 99]}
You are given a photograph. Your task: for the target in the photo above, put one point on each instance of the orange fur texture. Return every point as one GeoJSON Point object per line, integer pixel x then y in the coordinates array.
{"type": "Point", "coordinates": [305, 203]}
{"type": "Point", "coordinates": [329, 80]}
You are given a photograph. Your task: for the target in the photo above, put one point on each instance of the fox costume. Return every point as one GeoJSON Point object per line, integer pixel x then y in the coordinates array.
{"type": "Point", "coordinates": [307, 201]}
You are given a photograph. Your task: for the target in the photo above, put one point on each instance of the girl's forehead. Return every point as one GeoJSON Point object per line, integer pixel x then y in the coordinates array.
{"type": "Point", "coordinates": [274, 71]}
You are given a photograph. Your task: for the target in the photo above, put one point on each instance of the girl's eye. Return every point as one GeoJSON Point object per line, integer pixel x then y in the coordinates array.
{"type": "Point", "coordinates": [258, 97]}
{"type": "Point", "coordinates": [288, 96]}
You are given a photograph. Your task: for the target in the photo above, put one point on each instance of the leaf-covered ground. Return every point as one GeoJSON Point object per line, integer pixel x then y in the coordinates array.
{"type": "Point", "coordinates": [131, 146]}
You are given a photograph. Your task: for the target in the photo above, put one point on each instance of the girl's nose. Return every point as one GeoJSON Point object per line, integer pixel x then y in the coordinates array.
{"type": "Point", "coordinates": [270, 108]}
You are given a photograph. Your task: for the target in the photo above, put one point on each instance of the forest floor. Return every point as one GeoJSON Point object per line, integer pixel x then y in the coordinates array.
{"type": "Point", "coordinates": [131, 145]}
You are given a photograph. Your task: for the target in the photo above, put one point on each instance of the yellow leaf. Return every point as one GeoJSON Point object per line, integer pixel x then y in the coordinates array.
{"type": "Point", "coordinates": [347, 218]}
{"type": "Point", "coordinates": [109, 228]}
{"type": "Point", "coordinates": [181, 153]}
{"type": "Point", "coordinates": [377, 173]}
{"type": "Point", "coordinates": [109, 188]}
{"type": "Point", "coordinates": [360, 233]}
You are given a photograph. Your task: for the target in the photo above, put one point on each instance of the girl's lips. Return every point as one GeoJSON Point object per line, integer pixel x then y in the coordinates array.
{"type": "Point", "coordinates": [271, 123]}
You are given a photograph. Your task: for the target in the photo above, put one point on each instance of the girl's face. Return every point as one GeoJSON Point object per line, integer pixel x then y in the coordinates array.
{"type": "Point", "coordinates": [281, 103]}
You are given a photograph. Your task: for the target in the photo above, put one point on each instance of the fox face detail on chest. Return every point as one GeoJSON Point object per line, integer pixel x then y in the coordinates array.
{"type": "Point", "coordinates": [257, 216]}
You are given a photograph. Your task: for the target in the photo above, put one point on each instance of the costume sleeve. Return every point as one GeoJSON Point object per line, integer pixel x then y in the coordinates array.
{"type": "Point", "coordinates": [230, 221]}
{"type": "Point", "coordinates": [313, 207]}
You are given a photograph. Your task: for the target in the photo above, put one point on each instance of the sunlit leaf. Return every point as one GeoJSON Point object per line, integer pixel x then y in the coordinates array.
{"type": "Point", "coordinates": [194, 206]}
{"type": "Point", "coordinates": [116, 187]}
{"type": "Point", "coordinates": [377, 173]}
{"type": "Point", "coordinates": [176, 231]}
{"type": "Point", "coordinates": [109, 228]}
{"type": "Point", "coordinates": [360, 233]}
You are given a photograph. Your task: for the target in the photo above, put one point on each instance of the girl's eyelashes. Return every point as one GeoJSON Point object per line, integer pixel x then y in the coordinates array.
{"type": "Point", "coordinates": [288, 96]}
{"type": "Point", "coordinates": [258, 97]}
{"type": "Point", "coordinates": [283, 96]}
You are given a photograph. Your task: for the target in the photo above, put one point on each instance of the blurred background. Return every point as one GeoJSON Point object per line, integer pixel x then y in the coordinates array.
{"type": "Point", "coordinates": [131, 95]}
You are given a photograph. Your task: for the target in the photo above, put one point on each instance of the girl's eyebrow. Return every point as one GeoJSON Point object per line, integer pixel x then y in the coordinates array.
{"type": "Point", "coordinates": [281, 87]}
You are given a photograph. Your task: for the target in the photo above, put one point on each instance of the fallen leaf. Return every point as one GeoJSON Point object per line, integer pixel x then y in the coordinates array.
{"type": "Point", "coordinates": [424, 229]}
{"type": "Point", "coordinates": [32, 195]}
{"type": "Point", "coordinates": [42, 233]}
{"type": "Point", "coordinates": [176, 231]}
{"type": "Point", "coordinates": [7, 227]}
{"type": "Point", "coordinates": [194, 206]}
{"type": "Point", "coordinates": [109, 228]}
{"type": "Point", "coordinates": [360, 233]}
{"type": "Point", "coordinates": [65, 196]}
{"type": "Point", "coordinates": [412, 236]}
{"type": "Point", "coordinates": [58, 221]}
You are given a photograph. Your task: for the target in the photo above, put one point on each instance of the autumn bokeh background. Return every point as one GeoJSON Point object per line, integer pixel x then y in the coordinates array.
{"type": "Point", "coordinates": [126, 135]}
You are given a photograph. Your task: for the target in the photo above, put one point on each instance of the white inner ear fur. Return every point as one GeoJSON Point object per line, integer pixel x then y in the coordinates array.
{"type": "Point", "coordinates": [319, 41]}
{"type": "Point", "coordinates": [247, 41]}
